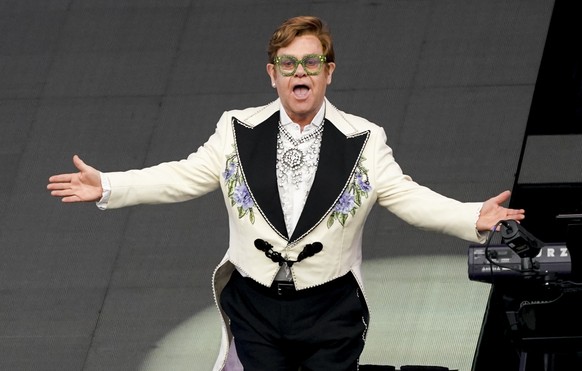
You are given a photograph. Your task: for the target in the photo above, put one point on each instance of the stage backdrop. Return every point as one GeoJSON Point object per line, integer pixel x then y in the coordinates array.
{"type": "Point", "coordinates": [130, 83]}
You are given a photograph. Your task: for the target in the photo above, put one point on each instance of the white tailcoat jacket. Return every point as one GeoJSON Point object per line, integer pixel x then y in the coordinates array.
{"type": "Point", "coordinates": [356, 169]}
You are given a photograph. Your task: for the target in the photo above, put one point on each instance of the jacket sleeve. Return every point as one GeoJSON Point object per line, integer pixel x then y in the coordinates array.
{"type": "Point", "coordinates": [419, 205]}
{"type": "Point", "coordinates": [174, 181]}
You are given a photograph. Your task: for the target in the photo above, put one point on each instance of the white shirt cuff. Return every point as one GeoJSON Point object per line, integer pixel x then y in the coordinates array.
{"type": "Point", "coordinates": [102, 203]}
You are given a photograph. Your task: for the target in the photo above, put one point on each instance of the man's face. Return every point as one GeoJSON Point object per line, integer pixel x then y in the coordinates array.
{"type": "Point", "coordinates": [301, 94]}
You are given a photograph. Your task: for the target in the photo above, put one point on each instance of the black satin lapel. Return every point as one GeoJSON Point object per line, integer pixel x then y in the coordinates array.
{"type": "Point", "coordinates": [257, 148]}
{"type": "Point", "coordinates": [337, 158]}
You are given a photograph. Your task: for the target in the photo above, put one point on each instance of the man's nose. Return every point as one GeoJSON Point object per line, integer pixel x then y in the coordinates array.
{"type": "Point", "coordinates": [300, 71]}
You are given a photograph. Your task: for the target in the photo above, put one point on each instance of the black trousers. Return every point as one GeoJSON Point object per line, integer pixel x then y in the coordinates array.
{"type": "Point", "coordinates": [317, 329]}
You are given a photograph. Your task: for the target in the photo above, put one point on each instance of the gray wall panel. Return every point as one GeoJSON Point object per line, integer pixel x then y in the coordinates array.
{"type": "Point", "coordinates": [473, 138]}
{"type": "Point", "coordinates": [484, 42]}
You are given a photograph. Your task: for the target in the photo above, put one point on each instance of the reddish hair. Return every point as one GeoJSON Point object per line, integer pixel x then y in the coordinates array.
{"type": "Point", "coordinates": [300, 26]}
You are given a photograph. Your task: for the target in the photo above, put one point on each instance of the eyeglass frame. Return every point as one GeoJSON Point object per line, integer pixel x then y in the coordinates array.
{"type": "Point", "coordinates": [277, 62]}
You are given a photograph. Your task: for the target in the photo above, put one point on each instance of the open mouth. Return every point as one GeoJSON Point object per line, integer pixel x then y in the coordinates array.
{"type": "Point", "coordinates": [301, 91]}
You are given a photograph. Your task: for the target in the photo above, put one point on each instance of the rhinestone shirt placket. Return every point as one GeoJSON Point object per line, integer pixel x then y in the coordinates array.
{"type": "Point", "coordinates": [297, 162]}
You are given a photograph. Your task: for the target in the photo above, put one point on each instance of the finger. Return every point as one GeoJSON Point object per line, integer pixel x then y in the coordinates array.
{"type": "Point", "coordinates": [71, 199]}
{"type": "Point", "coordinates": [62, 192]}
{"type": "Point", "coordinates": [518, 216]}
{"type": "Point", "coordinates": [58, 186]}
{"type": "Point", "coordinates": [79, 164]}
{"type": "Point", "coordinates": [61, 178]}
{"type": "Point", "coordinates": [502, 197]}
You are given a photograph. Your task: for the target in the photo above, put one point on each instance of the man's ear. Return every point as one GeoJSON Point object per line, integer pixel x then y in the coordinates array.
{"type": "Point", "coordinates": [272, 73]}
{"type": "Point", "coordinates": [330, 69]}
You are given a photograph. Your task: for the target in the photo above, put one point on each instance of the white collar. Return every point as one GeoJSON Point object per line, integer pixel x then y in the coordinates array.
{"type": "Point", "coordinates": [317, 120]}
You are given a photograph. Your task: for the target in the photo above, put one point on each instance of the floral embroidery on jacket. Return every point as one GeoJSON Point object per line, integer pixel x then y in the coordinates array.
{"type": "Point", "coordinates": [237, 190]}
{"type": "Point", "coordinates": [351, 199]}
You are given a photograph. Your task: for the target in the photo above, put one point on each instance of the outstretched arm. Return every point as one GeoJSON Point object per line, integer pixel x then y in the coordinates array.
{"type": "Point", "coordinates": [83, 186]}
{"type": "Point", "coordinates": [492, 212]}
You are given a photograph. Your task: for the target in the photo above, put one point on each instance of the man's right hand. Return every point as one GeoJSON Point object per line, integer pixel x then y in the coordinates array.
{"type": "Point", "coordinates": [84, 186]}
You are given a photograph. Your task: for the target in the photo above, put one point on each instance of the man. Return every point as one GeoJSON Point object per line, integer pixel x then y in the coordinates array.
{"type": "Point", "coordinates": [299, 178]}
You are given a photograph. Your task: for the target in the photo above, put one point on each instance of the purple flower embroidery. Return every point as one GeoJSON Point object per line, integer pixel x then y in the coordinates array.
{"type": "Point", "coordinates": [364, 185]}
{"type": "Point", "coordinates": [351, 199]}
{"type": "Point", "coordinates": [230, 171]}
{"type": "Point", "coordinates": [345, 204]}
{"type": "Point", "coordinates": [242, 197]}
{"type": "Point", "coordinates": [236, 189]}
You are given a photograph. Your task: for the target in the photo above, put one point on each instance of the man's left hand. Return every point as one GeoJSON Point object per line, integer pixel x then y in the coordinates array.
{"type": "Point", "coordinates": [492, 212]}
